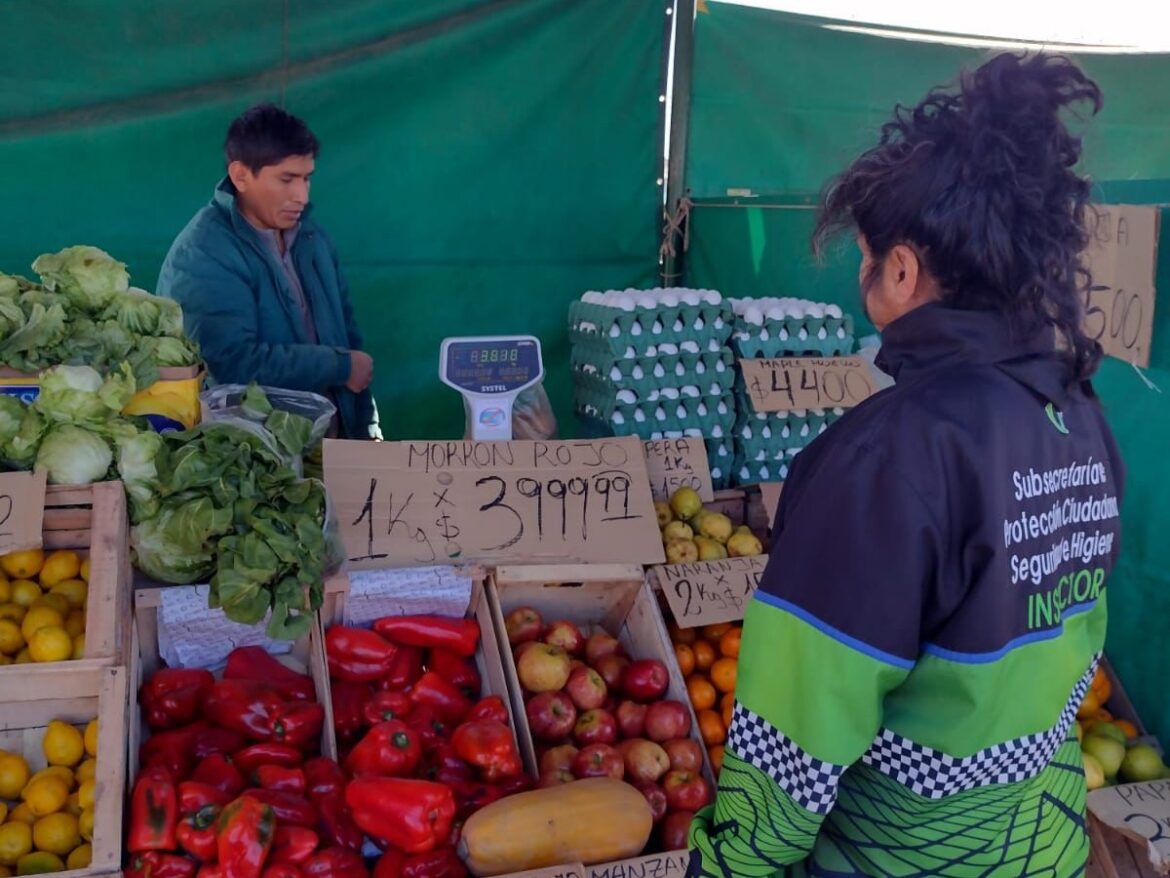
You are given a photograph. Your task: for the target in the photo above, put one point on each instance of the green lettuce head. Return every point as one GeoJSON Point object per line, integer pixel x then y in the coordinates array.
{"type": "Point", "coordinates": [87, 276]}
{"type": "Point", "coordinates": [72, 455]}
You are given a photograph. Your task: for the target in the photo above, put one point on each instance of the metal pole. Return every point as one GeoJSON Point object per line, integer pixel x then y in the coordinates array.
{"type": "Point", "coordinates": [684, 58]}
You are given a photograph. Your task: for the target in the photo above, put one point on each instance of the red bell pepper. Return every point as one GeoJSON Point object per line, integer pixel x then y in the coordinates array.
{"type": "Point", "coordinates": [336, 825]}
{"type": "Point", "coordinates": [460, 636]}
{"type": "Point", "coordinates": [156, 864]}
{"type": "Point", "coordinates": [390, 749]}
{"type": "Point", "coordinates": [218, 771]}
{"type": "Point", "coordinates": [211, 741]}
{"type": "Point", "coordinates": [444, 765]}
{"type": "Point", "coordinates": [489, 746]}
{"type": "Point", "coordinates": [404, 671]}
{"type": "Point", "coordinates": [390, 864]}
{"type": "Point", "coordinates": [196, 833]}
{"type": "Point", "coordinates": [459, 672]}
{"type": "Point", "coordinates": [281, 870]}
{"type": "Point", "coordinates": [154, 812]}
{"type": "Point", "coordinates": [470, 796]}
{"type": "Point", "coordinates": [357, 655]}
{"type": "Point", "coordinates": [290, 808]}
{"type": "Point", "coordinates": [348, 700]}
{"type": "Point", "coordinates": [210, 870]}
{"type": "Point", "coordinates": [173, 750]}
{"type": "Point", "coordinates": [492, 707]}
{"type": "Point", "coordinates": [292, 844]}
{"type": "Point", "coordinates": [254, 663]}
{"type": "Point", "coordinates": [276, 777]}
{"type": "Point", "coordinates": [385, 706]}
{"type": "Point", "coordinates": [443, 863]}
{"type": "Point", "coordinates": [251, 709]}
{"type": "Point", "coordinates": [244, 835]}
{"type": "Point", "coordinates": [413, 815]}
{"type": "Point", "coordinates": [251, 758]}
{"type": "Point", "coordinates": [448, 703]}
{"type": "Point", "coordinates": [323, 777]}
{"type": "Point", "coordinates": [173, 697]}
{"type": "Point", "coordinates": [335, 863]}
{"type": "Point", "coordinates": [432, 730]}
{"type": "Point", "coordinates": [194, 795]}
{"type": "Point", "coordinates": [299, 724]}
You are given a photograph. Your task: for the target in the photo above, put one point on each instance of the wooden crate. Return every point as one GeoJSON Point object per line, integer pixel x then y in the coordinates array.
{"type": "Point", "coordinates": [1112, 855]}
{"type": "Point", "coordinates": [42, 694]}
{"type": "Point", "coordinates": [487, 657]}
{"type": "Point", "coordinates": [91, 520]}
{"type": "Point", "coordinates": [308, 654]}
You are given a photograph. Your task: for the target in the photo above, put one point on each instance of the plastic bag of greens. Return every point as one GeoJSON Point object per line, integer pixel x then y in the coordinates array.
{"type": "Point", "coordinates": [298, 420]}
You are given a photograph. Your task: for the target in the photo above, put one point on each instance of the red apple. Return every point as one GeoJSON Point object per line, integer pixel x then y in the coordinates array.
{"type": "Point", "coordinates": [599, 645]}
{"type": "Point", "coordinates": [610, 705]}
{"type": "Point", "coordinates": [645, 680]}
{"type": "Point", "coordinates": [543, 668]}
{"type": "Point", "coordinates": [523, 625]}
{"type": "Point", "coordinates": [611, 668]}
{"type": "Point", "coordinates": [555, 778]}
{"type": "Point", "coordinates": [551, 716]}
{"type": "Point", "coordinates": [595, 727]}
{"type": "Point", "coordinates": [656, 797]}
{"type": "Point", "coordinates": [675, 830]}
{"type": "Point", "coordinates": [558, 759]}
{"type": "Point", "coordinates": [599, 760]}
{"type": "Point", "coordinates": [645, 761]}
{"type": "Point", "coordinates": [666, 720]}
{"type": "Point", "coordinates": [631, 719]}
{"type": "Point", "coordinates": [686, 791]}
{"type": "Point", "coordinates": [566, 635]}
{"type": "Point", "coordinates": [586, 688]}
{"type": "Point", "coordinates": [685, 754]}
{"type": "Point", "coordinates": [519, 651]}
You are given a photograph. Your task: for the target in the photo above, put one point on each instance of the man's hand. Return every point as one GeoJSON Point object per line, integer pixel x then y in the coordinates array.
{"type": "Point", "coordinates": [361, 371]}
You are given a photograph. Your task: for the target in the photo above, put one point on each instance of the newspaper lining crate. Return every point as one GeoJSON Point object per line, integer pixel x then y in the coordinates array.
{"type": "Point", "coordinates": [41, 694]}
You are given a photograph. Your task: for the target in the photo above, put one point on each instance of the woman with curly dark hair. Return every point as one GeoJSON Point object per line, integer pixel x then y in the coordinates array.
{"type": "Point", "coordinates": [934, 607]}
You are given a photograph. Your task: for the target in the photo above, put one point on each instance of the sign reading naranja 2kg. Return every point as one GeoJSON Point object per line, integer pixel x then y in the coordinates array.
{"type": "Point", "coordinates": [409, 504]}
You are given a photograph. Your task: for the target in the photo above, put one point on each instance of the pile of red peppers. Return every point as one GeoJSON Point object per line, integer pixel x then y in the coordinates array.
{"type": "Point", "coordinates": [422, 750]}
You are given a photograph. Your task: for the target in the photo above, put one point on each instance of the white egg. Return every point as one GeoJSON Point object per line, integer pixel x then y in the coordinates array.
{"type": "Point", "coordinates": [615, 374]}
{"type": "Point", "coordinates": [716, 389]}
{"type": "Point", "coordinates": [746, 432]}
{"type": "Point", "coordinates": [766, 433]}
{"type": "Point", "coordinates": [716, 432]}
{"type": "Point", "coordinates": [651, 351]}
{"type": "Point", "coordinates": [680, 370]}
{"type": "Point", "coordinates": [753, 316]}
{"type": "Point", "coordinates": [700, 368]}
{"type": "Point", "coordinates": [630, 353]}
{"type": "Point", "coordinates": [660, 414]}
{"type": "Point", "coordinates": [775, 313]}
{"type": "Point", "coordinates": [692, 433]}
{"type": "Point", "coordinates": [722, 408]}
{"type": "Point", "coordinates": [669, 392]}
{"type": "Point", "coordinates": [668, 349]}
{"type": "Point", "coordinates": [658, 370]}
{"type": "Point", "coordinates": [677, 327]}
{"type": "Point", "coordinates": [712, 297]}
{"type": "Point", "coordinates": [669, 299]}
{"type": "Point", "coordinates": [699, 324]}
{"type": "Point", "coordinates": [636, 328]}
{"type": "Point", "coordinates": [639, 415]}
{"type": "Point", "coordinates": [691, 391]}
{"type": "Point", "coordinates": [637, 374]}
{"type": "Point", "coordinates": [689, 347]}
{"type": "Point", "coordinates": [821, 333]}
{"type": "Point", "coordinates": [614, 331]}
{"type": "Point", "coordinates": [833, 311]}
{"type": "Point", "coordinates": [617, 418]}
{"type": "Point", "coordinates": [713, 346]}
{"type": "Point", "coordinates": [626, 304]}
{"type": "Point", "coordinates": [783, 336]}
{"type": "Point", "coordinates": [627, 396]}
{"type": "Point", "coordinates": [765, 335]}
{"type": "Point", "coordinates": [803, 334]}
{"type": "Point", "coordinates": [647, 302]}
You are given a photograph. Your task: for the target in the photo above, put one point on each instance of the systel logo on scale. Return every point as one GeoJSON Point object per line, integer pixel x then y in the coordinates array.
{"type": "Point", "coordinates": [493, 416]}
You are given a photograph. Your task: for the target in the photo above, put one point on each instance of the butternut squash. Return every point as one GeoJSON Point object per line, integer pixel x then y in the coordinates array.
{"type": "Point", "coordinates": [588, 821]}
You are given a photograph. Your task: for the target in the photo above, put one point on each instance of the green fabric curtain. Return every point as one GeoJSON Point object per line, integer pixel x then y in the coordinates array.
{"type": "Point", "coordinates": [482, 164]}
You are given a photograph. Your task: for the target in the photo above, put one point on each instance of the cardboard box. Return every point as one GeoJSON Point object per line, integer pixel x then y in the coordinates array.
{"type": "Point", "coordinates": [40, 694]}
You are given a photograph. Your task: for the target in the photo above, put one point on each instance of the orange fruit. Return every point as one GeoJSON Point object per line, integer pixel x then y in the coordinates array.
{"type": "Point", "coordinates": [724, 673]}
{"type": "Point", "coordinates": [729, 643]}
{"type": "Point", "coordinates": [714, 632]}
{"type": "Point", "coordinates": [685, 656]}
{"type": "Point", "coordinates": [728, 707]}
{"type": "Point", "coordinates": [1102, 715]}
{"type": "Point", "coordinates": [1126, 726]}
{"type": "Point", "coordinates": [702, 693]}
{"type": "Point", "coordinates": [715, 754]}
{"type": "Point", "coordinates": [682, 635]}
{"type": "Point", "coordinates": [1089, 706]}
{"type": "Point", "coordinates": [711, 728]}
{"type": "Point", "coordinates": [1102, 686]}
{"type": "Point", "coordinates": [704, 655]}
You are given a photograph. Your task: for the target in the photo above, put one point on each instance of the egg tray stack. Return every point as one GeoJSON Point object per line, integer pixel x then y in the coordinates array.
{"type": "Point", "coordinates": [766, 444]}
{"type": "Point", "coordinates": [655, 364]}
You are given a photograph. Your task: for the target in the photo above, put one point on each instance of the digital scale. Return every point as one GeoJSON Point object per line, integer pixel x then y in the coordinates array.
{"type": "Point", "coordinates": [490, 371]}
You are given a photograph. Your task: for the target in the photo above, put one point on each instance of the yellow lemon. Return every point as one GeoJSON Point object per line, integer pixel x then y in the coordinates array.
{"type": "Point", "coordinates": [86, 770]}
{"type": "Point", "coordinates": [56, 601]}
{"type": "Point", "coordinates": [75, 623]}
{"type": "Point", "coordinates": [39, 617]}
{"type": "Point", "coordinates": [46, 795]}
{"type": "Point", "coordinates": [23, 565]}
{"type": "Point", "coordinates": [22, 813]}
{"type": "Point", "coordinates": [59, 566]}
{"type": "Point", "coordinates": [39, 863]}
{"type": "Point", "coordinates": [85, 824]}
{"type": "Point", "coordinates": [7, 660]}
{"type": "Point", "coordinates": [3, 812]}
{"type": "Point", "coordinates": [56, 771]}
{"type": "Point", "coordinates": [25, 592]}
{"type": "Point", "coordinates": [12, 611]}
{"type": "Point", "coordinates": [91, 738]}
{"type": "Point", "coordinates": [24, 657]}
{"type": "Point", "coordinates": [73, 805]}
{"type": "Point", "coordinates": [57, 834]}
{"type": "Point", "coordinates": [11, 640]}
{"type": "Point", "coordinates": [84, 572]}
{"type": "Point", "coordinates": [14, 774]}
{"type": "Point", "coordinates": [63, 744]}
{"type": "Point", "coordinates": [75, 591]}
{"type": "Point", "coordinates": [78, 647]}
{"type": "Point", "coordinates": [15, 842]}
{"type": "Point", "coordinates": [6, 871]}
{"type": "Point", "coordinates": [5, 590]}
{"type": "Point", "coordinates": [80, 857]}
{"type": "Point", "coordinates": [51, 644]}
{"type": "Point", "coordinates": [86, 792]}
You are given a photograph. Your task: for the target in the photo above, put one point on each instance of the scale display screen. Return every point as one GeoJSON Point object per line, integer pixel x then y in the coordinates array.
{"type": "Point", "coordinates": [482, 366]}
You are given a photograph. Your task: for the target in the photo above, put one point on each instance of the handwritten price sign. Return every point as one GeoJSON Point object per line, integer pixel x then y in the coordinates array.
{"type": "Point", "coordinates": [409, 504]}
{"type": "Point", "coordinates": [1122, 259]}
{"type": "Point", "coordinates": [678, 463]}
{"type": "Point", "coordinates": [707, 592]}
{"type": "Point", "coordinates": [807, 383]}
{"type": "Point", "coordinates": [22, 511]}
{"type": "Point", "coordinates": [1140, 811]}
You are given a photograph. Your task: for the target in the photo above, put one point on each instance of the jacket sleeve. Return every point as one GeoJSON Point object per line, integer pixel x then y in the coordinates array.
{"type": "Point", "coordinates": [833, 628]}
{"type": "Point", "coordinates": [213, 286]}
{"type": "Point", "coordinates": [367, 413]}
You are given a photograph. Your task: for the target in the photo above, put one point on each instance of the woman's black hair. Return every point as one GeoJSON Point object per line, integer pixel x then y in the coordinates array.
{"type": "Point", "coordinates": [981, 181]}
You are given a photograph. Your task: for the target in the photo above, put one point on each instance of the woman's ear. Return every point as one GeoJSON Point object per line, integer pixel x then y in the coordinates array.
{"type": "Point", "coordinates": [902, 274]}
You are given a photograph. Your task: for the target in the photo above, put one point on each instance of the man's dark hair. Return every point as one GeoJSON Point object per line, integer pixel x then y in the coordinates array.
{"type": "Point", "coordinates": [981, 179]}
{"type": "Point", "coordinates": [266, 135]}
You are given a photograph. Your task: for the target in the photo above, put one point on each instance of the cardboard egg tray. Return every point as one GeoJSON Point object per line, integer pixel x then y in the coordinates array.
{"type": "Point", "coordinates": [714, 365]}
{"type": "Point", "coordinates": [642, 419]}
{"type": "Point", "coordinates": [822, 336]}
{"type": "Point", "coordinates": [665, 389]}
{"type": "Point", "coordinates": [721, 461]}
{"type": "Point", "coordinates": [617, 330]}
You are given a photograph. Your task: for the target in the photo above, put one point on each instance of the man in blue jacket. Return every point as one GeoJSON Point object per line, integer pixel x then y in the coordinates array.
{"type": "Point", "coordinates": [258, 279]}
